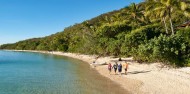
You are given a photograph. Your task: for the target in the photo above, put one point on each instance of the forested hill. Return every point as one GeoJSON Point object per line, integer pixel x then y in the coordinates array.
{"type": "Point", "coordinates": [151, 31]}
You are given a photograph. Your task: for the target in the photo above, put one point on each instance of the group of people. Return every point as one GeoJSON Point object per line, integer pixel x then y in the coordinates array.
{"type": "Point", "coordinates": [118, 67]}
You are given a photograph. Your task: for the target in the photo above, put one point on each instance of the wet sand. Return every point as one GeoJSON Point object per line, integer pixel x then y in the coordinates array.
{"type": "Point", "coordinates": [91, 82]}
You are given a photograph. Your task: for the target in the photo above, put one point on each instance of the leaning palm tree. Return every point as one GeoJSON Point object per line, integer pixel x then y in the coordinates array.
{"type": "Point", "coordinates": [166, 8]}
{"type": "Point", "coordinates": [154, 10]}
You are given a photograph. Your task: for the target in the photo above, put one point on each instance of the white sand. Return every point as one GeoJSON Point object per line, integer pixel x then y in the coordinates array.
{"type": "Point", "coordinates": [141, 78]}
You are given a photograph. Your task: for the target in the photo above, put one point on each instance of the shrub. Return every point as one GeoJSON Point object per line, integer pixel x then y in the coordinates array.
{"type": "Point", "coordinates": [168, 49]}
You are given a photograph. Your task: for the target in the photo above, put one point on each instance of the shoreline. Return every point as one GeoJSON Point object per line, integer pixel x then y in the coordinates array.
{"type": "Point", "coordinates": [141, 78]}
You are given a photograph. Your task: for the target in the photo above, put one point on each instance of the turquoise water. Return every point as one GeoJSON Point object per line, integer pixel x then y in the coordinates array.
{"type": "Point", "coordinates": [35, 73]}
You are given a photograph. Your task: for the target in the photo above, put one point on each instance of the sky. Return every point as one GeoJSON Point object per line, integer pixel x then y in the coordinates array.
{"type": "Point", "coordinates": [24, 19]}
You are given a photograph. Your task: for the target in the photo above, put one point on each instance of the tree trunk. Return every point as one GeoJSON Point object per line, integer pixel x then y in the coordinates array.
{"type": "Point", "coordinates": [172, 26]}
{"type": "Point", "coordinates": [166, 28]}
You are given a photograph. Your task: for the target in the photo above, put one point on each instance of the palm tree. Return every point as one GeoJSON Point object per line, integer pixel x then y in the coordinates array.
{"type": "Point", "coordinates": [165, 8]}
{"type": "Point", "coordinates": [155, 10]}
{"type": "Point", "coordinates": [136, 13]}
{"type": "Point", "coordinates": [116, 17]}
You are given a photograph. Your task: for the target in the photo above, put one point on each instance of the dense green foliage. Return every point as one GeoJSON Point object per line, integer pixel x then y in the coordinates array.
{"type": "Point", "coordinates": [173, 49]}
{"type": "Point", "coordinates": [148, 31]}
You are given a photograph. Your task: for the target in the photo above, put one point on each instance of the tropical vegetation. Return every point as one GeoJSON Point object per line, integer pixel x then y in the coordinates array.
{"type": "Point", "coordinates": [150, 31]}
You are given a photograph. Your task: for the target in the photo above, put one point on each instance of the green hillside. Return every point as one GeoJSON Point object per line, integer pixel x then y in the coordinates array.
{"type": "Point", "coordinates": [151, 31]}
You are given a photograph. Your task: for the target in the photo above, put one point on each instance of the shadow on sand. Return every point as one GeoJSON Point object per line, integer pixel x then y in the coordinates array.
{"type": "Point", "coordinates": [122, 60]}
{"type": "Point", "coordinates": [137, 72]}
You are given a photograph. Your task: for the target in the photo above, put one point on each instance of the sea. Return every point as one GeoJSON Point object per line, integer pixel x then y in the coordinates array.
{"type": "Point", "coordinates": [37, 73]}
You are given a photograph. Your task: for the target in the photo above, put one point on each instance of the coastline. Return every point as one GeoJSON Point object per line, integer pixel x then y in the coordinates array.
{"type": "Point", "coordinates": [141, 78]}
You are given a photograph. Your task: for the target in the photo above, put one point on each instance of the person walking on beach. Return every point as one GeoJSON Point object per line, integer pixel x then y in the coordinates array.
{"type": "Point", "coordinates": [126, 67]}
{"type": "Point", "coordinates": [115, 67]}
{"type": "Point", "coordinates": [109, 67]}
{"type": "Point", "coordinates": [120, 68]}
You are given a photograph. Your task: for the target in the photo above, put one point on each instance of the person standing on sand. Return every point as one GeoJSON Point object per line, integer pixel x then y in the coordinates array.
{"type": "Point", "coordinates": [120, 68]}
{"type": "Point", "coordinates": [93, 64]}
{"type": "Point", "coordinates": [115, 67]}
{"type": "Point", "coordinates": [126, 67]}
{"type": "Point", "coordinates": [109, 67]}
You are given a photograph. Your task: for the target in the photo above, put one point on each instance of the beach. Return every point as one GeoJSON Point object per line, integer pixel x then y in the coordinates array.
{"type": "Point", "coordinates": [141, 78]}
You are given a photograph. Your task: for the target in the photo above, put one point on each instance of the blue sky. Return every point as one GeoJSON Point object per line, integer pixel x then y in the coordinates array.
{"type": "Point", "coordinates": [24, 19]}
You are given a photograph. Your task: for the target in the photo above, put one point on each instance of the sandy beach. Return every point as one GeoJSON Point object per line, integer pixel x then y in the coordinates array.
{"type": "Point", "coordinates": [141, 78]}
